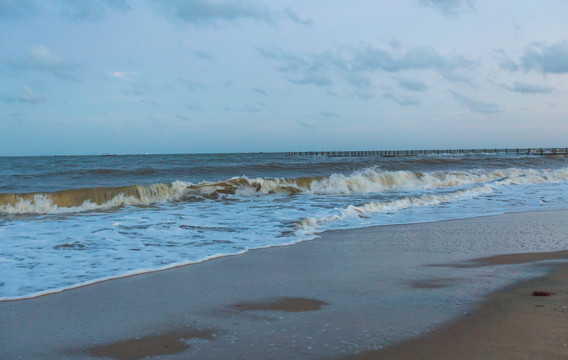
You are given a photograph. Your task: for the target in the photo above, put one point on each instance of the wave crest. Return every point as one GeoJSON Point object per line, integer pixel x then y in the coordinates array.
{"type": "Point", "coordinates": [367, 180]}
{"type": "Point", "coordinates": [89, 199]}
{"type": "Point", "coordinates": [310, 224]}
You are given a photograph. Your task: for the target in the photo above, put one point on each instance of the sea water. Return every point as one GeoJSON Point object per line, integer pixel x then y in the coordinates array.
{"type": "Point", "coordinates": [72, 220]}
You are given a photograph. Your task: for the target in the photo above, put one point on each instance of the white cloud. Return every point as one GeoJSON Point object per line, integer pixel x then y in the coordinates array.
{"type": "Point", "coordinates": [42, 57]}
{"type": "Point", "coordinates": [29, 96]}
{"type": "Point", "coordinates": [123, 74]}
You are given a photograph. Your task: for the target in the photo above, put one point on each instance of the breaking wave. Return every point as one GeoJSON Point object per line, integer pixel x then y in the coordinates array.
{"type": "Point", "coordinates": [369, 180]}
{"type": "Point", "coordinates": [310, 224]}
{"type": "Point", "coordinates": [77, 200]}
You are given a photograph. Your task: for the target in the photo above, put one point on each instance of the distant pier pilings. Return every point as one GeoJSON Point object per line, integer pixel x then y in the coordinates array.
{"type": "Point", "coordinates": [395, 153]}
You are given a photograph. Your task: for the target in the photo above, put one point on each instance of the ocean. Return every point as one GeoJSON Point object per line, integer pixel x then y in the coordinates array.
{"type": "Point", "coordinates": [67, 221]}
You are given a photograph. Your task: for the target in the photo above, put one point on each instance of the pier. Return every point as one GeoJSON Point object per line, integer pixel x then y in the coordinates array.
{"type": "Point", "coordinates": [396, 153]}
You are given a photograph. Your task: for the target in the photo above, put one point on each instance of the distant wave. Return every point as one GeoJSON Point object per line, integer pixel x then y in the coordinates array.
{"type": "Point", "coordinates": [102, 172]}
{"type": "Point", "coordinates": [369, 180]}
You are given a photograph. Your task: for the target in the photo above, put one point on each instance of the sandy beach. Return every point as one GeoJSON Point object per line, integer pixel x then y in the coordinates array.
{"type": "Point", "coordinates": [428, 291]}
{"type": "Point", "coordinates": [512, 324]}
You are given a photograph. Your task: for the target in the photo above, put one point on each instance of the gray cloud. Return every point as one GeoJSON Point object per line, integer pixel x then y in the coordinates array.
{"type": "Point", "coordinates": [329, 114]}
{"type": "Point", "coordinates": [362, 94]}
{"type": "Point", "coordinates": [291, 15]}
{"type": "Point", "coordinates": [209, 11]}
{"type": "Point", "coordinates": [524, 88]}
{"type": "Point", "coordinates": [27, 95]}
{"type": "Point", "coordinates": [450, 8]}
{"type": "Point", "coordinates": [14, 117]}
{"type": "Point", "coordinates": [547, 59]}
{"type": "Point", "coordinates": [506, 63]}
{"type": "Point", "coordinates": [315, 74]}
{"type": "Point", "coordinates": [16, 9]}
{"type": "Point", "coordinates": [509, 65]}
{"type": "Point", "coordinates": [395, 44]}
{"type": "Point", "coordinates": [309, 71]}
{"type": "Point", "coordinates": [422, 58]}
{"type": "Point", "coordinates": [193, 107]}
{"type": "Point", "coordinates": [40, 58]}
{"type": "Point", "coordinates": [305, 124]}
{"type": "Point", "coordinates": [139, 88]}
{"type": "Point", "coordinates": [356, 65]}
{"type": "Point", "coordinates": [192, 85]}
{"type": "Point", "coordinates": [91, 10]}
{"type": "Point", "coordinates": [74, 10]}
{"type": "Point", "coordinates": [412, 85]}
{"type": "Point", "coordinates": [259, 91]}
{"type": "Point", "coordinates": [291, 61]}
{"type": "Point", "coordinates": [476, 105]}
{"type": "Point", "coordinates": [252, 110]}
{"type": "Point", "coordinates": [183, 117]}
{"type": "Point", "coordinates": [203, 55]}
{"type": "Point", "coordinates": [298, 70]}
{"type": "Point", "coordinates": [402, 100]}
{"type": "Point", "coordinates": [360, 81]}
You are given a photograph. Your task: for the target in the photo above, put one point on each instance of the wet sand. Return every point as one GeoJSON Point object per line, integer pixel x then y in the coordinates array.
{"type": "Point", "coordinates": [372, 293]}
{"type": "Point", "coordinates": [511, 324]}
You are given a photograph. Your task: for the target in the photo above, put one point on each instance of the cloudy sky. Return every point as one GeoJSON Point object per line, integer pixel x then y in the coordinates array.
{"type": "Point", "coordinates": [199, 76]}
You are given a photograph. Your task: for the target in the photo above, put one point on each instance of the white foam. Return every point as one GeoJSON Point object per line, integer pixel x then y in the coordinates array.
{"type": "Point", "coordinates": [102, 279]}
{"type": "Point", "coordinates": [364, 181]}
{"type": "Point", "coordinates": [42, 254]}
{"type": "Point", "coordinates": [375, 180]}
{"type": "Point", "coordinates": [150, 194]}
{"type": "Point", "coordinates": [311, 224]}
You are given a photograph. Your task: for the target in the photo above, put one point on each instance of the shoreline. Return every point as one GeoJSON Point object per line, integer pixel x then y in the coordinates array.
{"type": "Point", "coordinates": [317, 236]}
{"type": "Point", "coordinates": [343, 293]}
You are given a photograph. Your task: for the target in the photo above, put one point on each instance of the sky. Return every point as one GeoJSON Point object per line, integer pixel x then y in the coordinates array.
{"type": "Point", "coordinates": [215, 76]}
